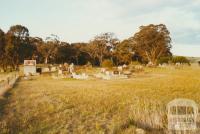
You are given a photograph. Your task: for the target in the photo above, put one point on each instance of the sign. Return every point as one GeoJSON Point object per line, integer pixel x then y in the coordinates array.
{"type": "Point", "coordinates": [29, 62]}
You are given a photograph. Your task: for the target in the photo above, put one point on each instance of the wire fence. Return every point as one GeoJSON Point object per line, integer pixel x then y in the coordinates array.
{"type": "Point", "coordinates": [8, 82]}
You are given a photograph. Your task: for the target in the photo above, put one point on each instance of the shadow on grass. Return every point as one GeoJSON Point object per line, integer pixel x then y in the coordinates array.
{"type": "Point", "coordinates": [147, 128]}
{"type": "Point", "coordinates": [4, 100]}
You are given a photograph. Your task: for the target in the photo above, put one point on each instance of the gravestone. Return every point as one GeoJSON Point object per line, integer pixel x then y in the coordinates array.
{"type": "Point", "coordinates": [53, 69]}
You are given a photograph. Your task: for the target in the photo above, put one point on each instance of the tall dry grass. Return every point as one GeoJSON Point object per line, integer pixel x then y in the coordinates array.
{"type": "Point", "coordinates": [44, 105]}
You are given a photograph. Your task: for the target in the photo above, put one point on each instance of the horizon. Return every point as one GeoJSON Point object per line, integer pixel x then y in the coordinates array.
{"type": "Point", "coordinates": [80, 21]}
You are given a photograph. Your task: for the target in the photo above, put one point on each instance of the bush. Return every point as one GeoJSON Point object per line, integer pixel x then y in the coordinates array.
{"type": "Point", "coordinates": [107, 63]}
{"type": "Point", "coordinates": [163, 60]}
{"type": "Point", "coordinates": [180, 59]}
{"type": "Point", "coordinates": [88, 65]}
{"type": "Point", "coordinates": [135, 63]}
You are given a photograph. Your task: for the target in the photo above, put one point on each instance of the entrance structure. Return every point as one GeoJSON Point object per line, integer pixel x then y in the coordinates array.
{"type": "Point", "coordinates": [29, 67]}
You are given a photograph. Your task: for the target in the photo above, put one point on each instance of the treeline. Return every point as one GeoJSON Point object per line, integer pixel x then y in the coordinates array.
{"type": "Point", "coordinates": [146, 46]}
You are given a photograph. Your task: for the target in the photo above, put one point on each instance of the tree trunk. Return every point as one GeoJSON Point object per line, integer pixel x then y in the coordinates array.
{"type": "Point", "coordinates": [46, 60]}
{"type": "Point", "coordinates": [77, 60]}
{"type": "Point", "coordinates": [100, 60]}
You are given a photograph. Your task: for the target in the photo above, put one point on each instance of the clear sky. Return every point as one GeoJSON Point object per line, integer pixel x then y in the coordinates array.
{"type": "Point", "coordinates": [81, 20]}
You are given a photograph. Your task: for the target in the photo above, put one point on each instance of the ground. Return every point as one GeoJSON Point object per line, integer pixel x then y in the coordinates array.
{"type": "Point", "coordinates": [45, 105]}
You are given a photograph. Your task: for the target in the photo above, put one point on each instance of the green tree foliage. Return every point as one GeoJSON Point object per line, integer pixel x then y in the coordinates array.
{"type": "Point", "coordinates": [180, 59]}
{"type": "Point", "coordinates": [49, 48]}
{"type": "Point", "coordinates": [2, 49]}
{"type": "Point", "coordinates": [79, 56]}
{"type": "Point", "coordinates": [17, 45]}
{"type": "Point", "coordinates": [123, 52]}
{"type": "Point", "coordinates": [101, 46]}
{"type": "Point", "coordinates": [36, 42]}
{"type": "Point", "coordinates": [166, 59]}
{"type": "Point", "coordinates": [152, 42]}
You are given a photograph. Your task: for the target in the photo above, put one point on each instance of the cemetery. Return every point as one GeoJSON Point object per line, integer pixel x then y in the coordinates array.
{"type": "Point", "coordinates": [67, 75]}
{"type": "Point", "coordinates": [66, 70]}
{"type": "Point", "coordinates": [126, 94]}
{"type": "Point", "coordinates": [110, 90]}
{"type": "Point", "coordinates": [95, 91]}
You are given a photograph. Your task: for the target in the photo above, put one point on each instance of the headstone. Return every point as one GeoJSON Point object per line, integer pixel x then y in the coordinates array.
{"type": "Point", "coordinates": [120, 68]}
{"type": "Point", "coordinates": [53, 69]}
{"type": "Point", "coordinates": [81, 77]}
{"type": "Point", "coordinates": [71, 68]}
{"type": "Point", "coordinates": [124, 66]}
{"type": "Point", "coordinates": [103, 70]}
{"type": "Point", "coordinates": [107, 73]}
{"type": "Point", "coordinates": [59, 72]}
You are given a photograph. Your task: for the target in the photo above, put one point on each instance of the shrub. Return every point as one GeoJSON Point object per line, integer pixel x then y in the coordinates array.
{"type": "Point", "coordinates": [107, 63]}
{"type": "Point", "coordinates": [163, 60]}
{"type": "Point", "coordinates": [88, 65]}
{"type": "Point", "coordinates": [180, 59]}
{"type": "Point", "coordinates": [135, 63]}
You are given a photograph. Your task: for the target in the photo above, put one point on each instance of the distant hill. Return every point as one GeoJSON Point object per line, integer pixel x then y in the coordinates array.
{"type": "Point", "coordinates": [193, 59]}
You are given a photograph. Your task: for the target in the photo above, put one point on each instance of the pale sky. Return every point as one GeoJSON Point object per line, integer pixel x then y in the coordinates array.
{"type": "Point", "coordinates": [81, 20]}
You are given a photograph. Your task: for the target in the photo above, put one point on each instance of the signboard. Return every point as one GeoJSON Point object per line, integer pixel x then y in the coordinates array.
{"type": "Point", "coordinates": [29, 62]}
{"type": "Point", "coordinates": [29, 67]}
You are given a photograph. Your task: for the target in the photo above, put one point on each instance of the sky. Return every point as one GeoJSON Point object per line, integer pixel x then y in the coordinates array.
{"type": "Point", "coordinates": [81, 20]}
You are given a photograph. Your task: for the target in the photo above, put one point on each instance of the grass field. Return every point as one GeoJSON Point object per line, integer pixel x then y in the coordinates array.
{"type": "Point", "coordinates": [45, 105]}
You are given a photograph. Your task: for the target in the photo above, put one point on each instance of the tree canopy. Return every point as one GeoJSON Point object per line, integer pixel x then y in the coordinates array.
{"type": "Point", "coordinates": [147, 45]}
{"type": "Point", "coordinates": [152, 42]}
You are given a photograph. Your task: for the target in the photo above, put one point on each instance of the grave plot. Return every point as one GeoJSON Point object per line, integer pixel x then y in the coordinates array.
{"type": "Point", "coordinates": [113, 74]}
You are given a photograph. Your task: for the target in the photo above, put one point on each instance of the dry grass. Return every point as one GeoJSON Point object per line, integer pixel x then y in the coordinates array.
{"type": "Point", "coordinates": [44, 105]}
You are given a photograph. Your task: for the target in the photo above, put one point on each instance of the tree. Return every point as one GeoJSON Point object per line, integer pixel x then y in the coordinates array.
{"type": "Point", "coordinates": [63, 53]}
{"type": "Point", "coordinates": [180, 59]}
{"type": "Point", "coordinates": [163, 60]}
{"type": "Point", "coordinates": [123, 52]}
{"type": "Point", "coordinates": [36, 42]}
{"type": "Point", "coordinates": [152, 42]}
{"type": "Point", "coordinates": [16, 37]}
{"type": "Point", "coordinates": [76, 51]}
{"type": "Point", "coordinates": [2, 49]}
{"type": "Point", "coordinates": [49, 48]}
{"type": "Point", "coordinates": [101, 46]}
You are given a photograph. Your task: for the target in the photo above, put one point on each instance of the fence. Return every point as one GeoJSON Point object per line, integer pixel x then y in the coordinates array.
{"type": "Point", "coordinates": [8, 83]}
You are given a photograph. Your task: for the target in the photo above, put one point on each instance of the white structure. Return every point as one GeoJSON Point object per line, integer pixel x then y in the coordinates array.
{"type": "Point", "coordinates": [45, 70]}
{"type": "Point", "coordinates": [29, 67]}
{"type": "Point", "coordinates": [80, 77]}
{"type": "Point", "coordinates": [182, 115]}
{"type": "Point", "coordinates": [110, 75]}
{"type": "Point", "coordinates": [71, 68]}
